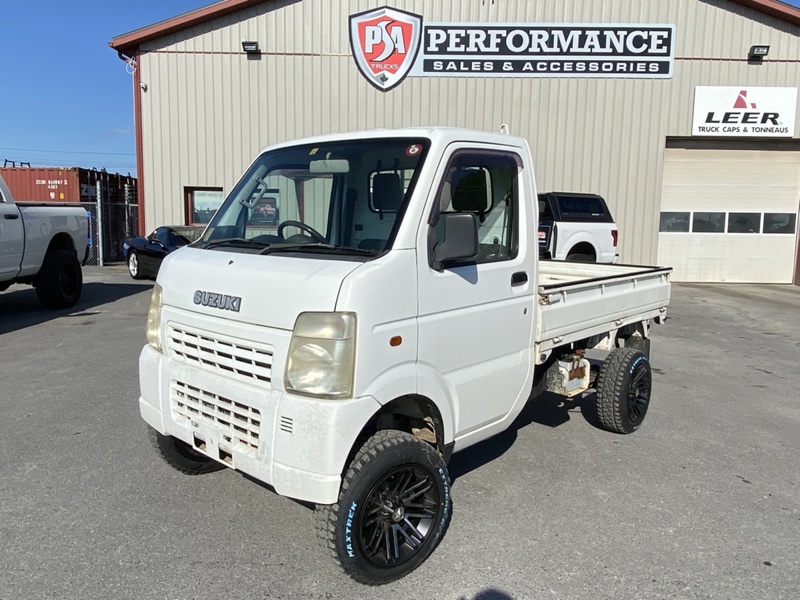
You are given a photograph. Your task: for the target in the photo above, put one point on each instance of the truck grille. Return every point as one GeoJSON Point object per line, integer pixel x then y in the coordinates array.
{"type": "Point", "coordinates": [237, 422]}
{"type": "Point", "coordinates": [225, 356]}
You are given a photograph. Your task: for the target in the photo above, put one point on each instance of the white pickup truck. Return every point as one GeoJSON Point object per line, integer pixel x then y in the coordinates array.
{"type": "Point", "coordinates": [397, 313]}
{"type": "Point", "coordinates": [577, 228]}
{"type": "Point", "coordinates": [40, 245]}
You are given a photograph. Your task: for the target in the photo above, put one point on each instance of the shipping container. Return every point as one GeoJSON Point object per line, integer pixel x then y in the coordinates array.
{"type": "Point", "coordinates": [32, 184]}
{"type": "Point", "coordinates": [67, 184]}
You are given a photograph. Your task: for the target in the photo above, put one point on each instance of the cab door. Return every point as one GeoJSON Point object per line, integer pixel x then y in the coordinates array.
{"type": "Point", "coordinates": [476, 315]}
{"type": "Point", "coordinates": [12, 236]}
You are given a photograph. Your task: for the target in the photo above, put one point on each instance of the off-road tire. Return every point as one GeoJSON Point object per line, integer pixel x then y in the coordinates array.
{"type": "Point", "coordinates": [134, 266]}
{"type": "Point", "coordinates": [60, 280]}
{"type": "Point", "coordinates": [181, 456]}
{"type": "Point", "coordinates": [624, 384]}
{"type": "Point", "coordinates": [370, 532]}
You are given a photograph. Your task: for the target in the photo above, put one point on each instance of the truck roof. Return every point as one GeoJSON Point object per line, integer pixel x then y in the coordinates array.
{"type": "Point", "coordinates": [441, 135]}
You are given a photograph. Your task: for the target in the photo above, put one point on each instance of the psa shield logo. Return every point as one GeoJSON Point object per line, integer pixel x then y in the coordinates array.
{"type": "Point", "coordinates": [385, 43]}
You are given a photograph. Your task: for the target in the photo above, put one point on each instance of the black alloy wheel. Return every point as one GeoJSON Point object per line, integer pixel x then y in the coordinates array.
{"type": "Point", "coordinates": [393, 509]}
{"type": "Point", "coordinates": [624, 386]}
{"type": "Point", "coordinates": [639, 393]}
{"type": "Point", "coordinates": [399, 514]}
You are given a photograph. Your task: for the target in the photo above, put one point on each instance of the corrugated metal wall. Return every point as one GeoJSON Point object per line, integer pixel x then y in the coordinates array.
{"type": "Point", "coordinates": [209, 109]}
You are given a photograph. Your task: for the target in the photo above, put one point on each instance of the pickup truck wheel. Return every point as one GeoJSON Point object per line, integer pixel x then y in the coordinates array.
{"type": "Point", "coordinates": [394, 508]}
{"type": "Point", "coordinates": [584, 258]}
{"type": "Point", "coordinates": [133, 265]}
{"type": "Point", "coordinates": [60, 280]}
{"type": "Point", "coordinates": [623, 390]}
{"type": "Point", "coordinates": [181, 456]}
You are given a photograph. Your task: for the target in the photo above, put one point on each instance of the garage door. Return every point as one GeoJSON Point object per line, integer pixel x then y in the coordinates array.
{"type": "Point", "coordinates": [729, 214]}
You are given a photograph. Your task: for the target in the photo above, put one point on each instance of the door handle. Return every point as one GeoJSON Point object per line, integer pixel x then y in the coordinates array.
{"type": "Point", "coordinates": [10, 216]}
{"type": "Point", "coordinates": [519, 278]}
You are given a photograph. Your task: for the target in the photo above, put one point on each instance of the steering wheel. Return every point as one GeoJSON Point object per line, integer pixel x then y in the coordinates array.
{"type": "Point", "coordinates": [316, 235]}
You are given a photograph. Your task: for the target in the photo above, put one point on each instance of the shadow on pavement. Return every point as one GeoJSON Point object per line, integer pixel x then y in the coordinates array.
{"type": "Point", "coordinates": [554, 410]}
{"type": "Point", "coordinates": [20, 308]}
{"type": "Point", "coordinates": [548, 409]}
{"type": "Point", "coordinates": [489, 594]}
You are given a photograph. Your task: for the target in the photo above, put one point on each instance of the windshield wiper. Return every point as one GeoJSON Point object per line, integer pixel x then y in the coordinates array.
{"type": "Point", "coordinates": [317, 247]}
{"type": "Point", "coordinates": [234, 243]}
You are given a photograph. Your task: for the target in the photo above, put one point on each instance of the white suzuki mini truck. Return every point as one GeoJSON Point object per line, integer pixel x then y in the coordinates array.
{"type": "Point", "coordinates": [396, 313]}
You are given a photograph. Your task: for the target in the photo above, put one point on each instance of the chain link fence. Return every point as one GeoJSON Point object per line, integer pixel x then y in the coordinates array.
{"type": "Point", "coordinates": [120, 220]}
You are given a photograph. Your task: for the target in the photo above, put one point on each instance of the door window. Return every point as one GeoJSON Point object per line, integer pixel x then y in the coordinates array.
{"type": "Point", "coordinates": [486, 185]}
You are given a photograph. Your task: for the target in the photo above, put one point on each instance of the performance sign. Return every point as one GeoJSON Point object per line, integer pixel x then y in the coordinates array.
{"type": "Point", "coordinates": [389, 44]}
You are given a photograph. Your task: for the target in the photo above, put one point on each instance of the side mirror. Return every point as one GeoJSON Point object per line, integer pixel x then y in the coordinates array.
{"type": "Point", "coordinates": [457, 239]}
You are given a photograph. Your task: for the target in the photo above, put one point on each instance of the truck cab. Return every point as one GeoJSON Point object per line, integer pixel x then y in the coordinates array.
{"type": "Point", "coordinates": [576, 227]}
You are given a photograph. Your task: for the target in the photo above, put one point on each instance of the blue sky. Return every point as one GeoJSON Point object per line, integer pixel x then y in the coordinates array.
{"type": "Point", "coordinates": [66, 97]}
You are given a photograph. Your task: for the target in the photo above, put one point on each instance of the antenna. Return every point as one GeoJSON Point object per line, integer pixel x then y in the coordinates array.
{"type": "Point", "coordinates": [504, 129]}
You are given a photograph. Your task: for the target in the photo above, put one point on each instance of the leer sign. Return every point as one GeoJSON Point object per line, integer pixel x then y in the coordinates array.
{"type": "Point", "coordinates": [744, 111]}
{"type": "Point", "coordinates": [389, 44]}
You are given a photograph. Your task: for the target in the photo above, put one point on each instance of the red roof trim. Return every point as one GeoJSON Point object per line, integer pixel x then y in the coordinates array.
{"type": "Point", "coordinates": [773, 8]}
{"type": "Point", "coordinates": [129, 43]}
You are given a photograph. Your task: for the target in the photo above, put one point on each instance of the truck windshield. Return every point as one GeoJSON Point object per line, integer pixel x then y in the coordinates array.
{"type": "Point", "coordinates": [335, 198]}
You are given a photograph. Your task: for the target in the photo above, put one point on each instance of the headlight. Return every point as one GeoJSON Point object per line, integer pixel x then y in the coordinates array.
{"type": "Point", "coordinates": [322, 353]}
{"type": "Point", "coordinates": [153, 331]}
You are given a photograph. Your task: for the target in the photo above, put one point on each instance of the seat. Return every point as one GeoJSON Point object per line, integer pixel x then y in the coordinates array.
{"type": "Point", "coordinates": [387, 192]}
{"type": "Point", "coordinates": [470, 192]}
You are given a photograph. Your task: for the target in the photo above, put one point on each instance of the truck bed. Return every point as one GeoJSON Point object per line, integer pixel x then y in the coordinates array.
{"type": "Point", "coordinates": [580, 300]}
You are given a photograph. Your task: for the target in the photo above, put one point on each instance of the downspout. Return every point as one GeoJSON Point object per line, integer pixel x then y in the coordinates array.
{"type": "Point", "coordinates": [137, 123]}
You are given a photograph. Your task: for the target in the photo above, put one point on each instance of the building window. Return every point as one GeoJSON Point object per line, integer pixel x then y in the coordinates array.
{"type": "Point", "coordinates": [744, 222]}
{"type": "Point", "coordinates": [674, 222]}
{"type": "Point", "coordinates": [779, 222]}
{"type": "Point", "coordinates": [201, 204]}
{"type": "Point", "coordinates": [738, 222]}
{"type": "Point", "coordinates": [708, 222]}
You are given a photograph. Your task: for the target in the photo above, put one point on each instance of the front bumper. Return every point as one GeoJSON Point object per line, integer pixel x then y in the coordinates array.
{"type": "Point", "coordinates": [298, 445]}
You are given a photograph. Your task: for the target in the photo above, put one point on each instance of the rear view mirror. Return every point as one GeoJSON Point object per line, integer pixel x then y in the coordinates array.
{"type": "Point", "coordinates": [457, 239]}
{"type": "Point", "coordinates": [329, 166]}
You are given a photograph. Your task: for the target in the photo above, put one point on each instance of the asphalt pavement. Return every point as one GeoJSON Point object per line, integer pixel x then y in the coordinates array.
{"type": "Point", "coordinates": [702, 502]}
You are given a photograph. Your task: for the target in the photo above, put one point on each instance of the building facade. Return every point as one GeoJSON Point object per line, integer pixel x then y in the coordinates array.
{"type": "Point", "coordinates": [682, 114]}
